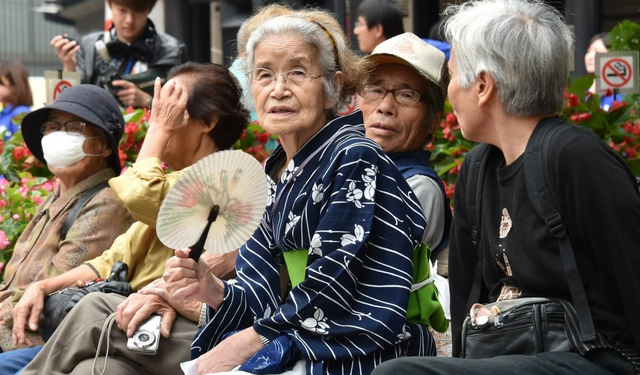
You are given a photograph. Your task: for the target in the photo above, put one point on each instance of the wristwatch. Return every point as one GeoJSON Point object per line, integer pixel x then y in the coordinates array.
{"type": "Point", "coordinates": [203, 315]}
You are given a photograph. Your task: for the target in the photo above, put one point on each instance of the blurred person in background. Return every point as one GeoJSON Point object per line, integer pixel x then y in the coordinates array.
{"type": "Point", "coordinates": [599, 44]}
{"type": "Point", "coordinates": [378, 20]}
{"type": "Point", "coordinates": [15, 95]}
{"type": "Point", "coordinates": [134, 47]}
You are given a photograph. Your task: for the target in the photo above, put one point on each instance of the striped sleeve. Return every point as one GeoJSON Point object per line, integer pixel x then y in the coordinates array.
{"type": "Point", "coordinates": [354, 298]}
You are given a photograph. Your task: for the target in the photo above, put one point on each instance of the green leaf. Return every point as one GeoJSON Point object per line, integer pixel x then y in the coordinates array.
{"type": "Point", "coordinates": [255, 128]}
{"type": "Point", "coordinates": [580, 86]}
{"type": "Point", "coordinates": [444, 169]}
{"type": "Point", "coordinates": [134, 116]}
{"type": "Point", "coordinates": [635, 166]}
{"type": "Point", "coordinates": [625, 36]}
{"type": "Point", "coordinates": [7, 157]}
{"type": "Point", "coordinates": [619, 116]}
{"type": "Point", "coordinates": [17, 119]}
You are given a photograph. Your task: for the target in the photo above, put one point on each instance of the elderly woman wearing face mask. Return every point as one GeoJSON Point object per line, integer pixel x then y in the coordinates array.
{"type": "Point", "coordinates": [77, 137]}
{"type": "Point", "coordinates": [341, 219]}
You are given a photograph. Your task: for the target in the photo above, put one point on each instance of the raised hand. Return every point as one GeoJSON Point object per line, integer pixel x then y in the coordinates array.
{"type": "Point", "coordinates": [66, 51]}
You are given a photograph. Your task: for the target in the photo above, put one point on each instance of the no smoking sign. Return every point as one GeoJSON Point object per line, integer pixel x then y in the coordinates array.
{"type": "Point", "coordinates": [617, 71]}
{"type": "Point", "coordinates": [60, 87]}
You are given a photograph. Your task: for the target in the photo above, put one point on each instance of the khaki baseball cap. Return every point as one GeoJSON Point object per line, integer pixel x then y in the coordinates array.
{"type": "Point", "coordinates": [410, 50]}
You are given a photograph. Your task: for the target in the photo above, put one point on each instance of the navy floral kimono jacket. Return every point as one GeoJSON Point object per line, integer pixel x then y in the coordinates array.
{"type": "Point", "coordinates": [341, 198]}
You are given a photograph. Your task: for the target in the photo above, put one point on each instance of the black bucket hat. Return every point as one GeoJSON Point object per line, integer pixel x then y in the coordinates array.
{"type": "Point", "coordinates": [91, 103]}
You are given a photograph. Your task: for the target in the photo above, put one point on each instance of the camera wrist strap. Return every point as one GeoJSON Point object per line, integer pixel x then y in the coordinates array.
{"type": "Point", "coordinates": [106, 327]}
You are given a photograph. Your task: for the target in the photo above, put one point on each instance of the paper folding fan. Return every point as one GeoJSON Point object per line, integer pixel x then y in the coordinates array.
{"type": "Point", "coordinates": [216, 205]}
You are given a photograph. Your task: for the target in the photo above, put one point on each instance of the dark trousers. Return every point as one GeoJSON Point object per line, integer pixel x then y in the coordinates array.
{"type": "Point", "coordinates": [600, 362]}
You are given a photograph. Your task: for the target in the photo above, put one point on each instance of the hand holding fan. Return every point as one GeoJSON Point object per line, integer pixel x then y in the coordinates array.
{"type": "Point", "coordinates": [216, 205]}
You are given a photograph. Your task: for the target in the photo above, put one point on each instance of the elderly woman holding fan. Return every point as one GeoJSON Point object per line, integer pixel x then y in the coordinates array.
{"type": "Point", "coordinates": [340, 227]}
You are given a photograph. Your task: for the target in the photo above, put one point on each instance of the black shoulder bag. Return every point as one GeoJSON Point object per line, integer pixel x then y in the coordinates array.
{"type": "Point", "coordinates": [528, 326]}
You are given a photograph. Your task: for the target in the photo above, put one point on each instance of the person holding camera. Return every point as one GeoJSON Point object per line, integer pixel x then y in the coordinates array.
{"type": "Point", "coordinates": [125, 59]}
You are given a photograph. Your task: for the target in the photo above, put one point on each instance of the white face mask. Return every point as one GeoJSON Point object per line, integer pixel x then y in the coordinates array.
{"type": "Point", "coordinates": [62, 149]}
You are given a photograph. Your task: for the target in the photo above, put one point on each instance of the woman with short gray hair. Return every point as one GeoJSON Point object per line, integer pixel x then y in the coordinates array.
{"type": "Point", "coordinates": [341, 219]}
{"type": "Point", "coordinates": [522, 45]}
{"type": "Point", "coordinates": [543, 276]}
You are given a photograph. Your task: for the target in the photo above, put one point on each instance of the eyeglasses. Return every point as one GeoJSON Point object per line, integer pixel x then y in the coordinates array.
{"type": "Point", "coordinates": [402, 96]}
{"type": "Point", "coordinates": [71, 127]}
{"type": "Point", "coordinates": [265, 77]}
{"type": "Point", "coordinates": [357, 24]}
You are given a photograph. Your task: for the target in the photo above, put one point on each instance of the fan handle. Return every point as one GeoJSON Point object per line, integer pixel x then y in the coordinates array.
{"type": "Point", "coordinates": [196, 250]}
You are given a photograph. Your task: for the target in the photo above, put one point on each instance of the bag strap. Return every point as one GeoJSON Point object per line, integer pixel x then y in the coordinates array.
{"type": "Point", "coordinates": [118, 271]}
{"type": "Point", "coordinates": [544, 202]}
{"type": "Point", "coordinates": [78, 205]}
{"type": "Point", "coordinates": [480, 156]}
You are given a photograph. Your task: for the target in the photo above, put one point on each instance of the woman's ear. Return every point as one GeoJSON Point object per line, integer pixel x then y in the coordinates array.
{"type": "Point", "coordinates": [486, 87]}
{"type": "Point", "coordinates": [107, 152]}
{"type": "Point", "coordinates": [207, 128]}
{"type": "Point", "coordinates": [338, 81]}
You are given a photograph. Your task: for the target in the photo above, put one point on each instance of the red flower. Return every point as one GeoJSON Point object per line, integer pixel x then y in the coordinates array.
{"type": "Point", "coordinates": [631, 152]}
{"type": "Point", "coordinates": [122, 157]}
{"type": "Point", "coordinates": [451, 118]}
{"type": "Point", "coordinates": [18, 152]}
{"type": "Point", "coordinates": [26, 152]}
{"type": "Point", "coordinates": [129, 110]}
{"type": "Point", "coordinates": [429, 146]}
{"type": "Point", "coordinates": [146, 115]}
{"type": "Point", "coordinates": [616, 105]}
{"type": "Point", "coordinates": [614, 146]}
{"type": "Point", "coordinates": [263, 138]}
{"type": "Point", "coordinates": [449, 189]}
{"type": "Point", "coordinates": [572, 101]}
{"type": "Point", "coordinates": [244, 134]}
{"type": "Point", "coordinates": [608, 92]}
{"type": "Point", "coordinates": [579, 117]}
{"type": "Point", "coordinates": [131, 128]}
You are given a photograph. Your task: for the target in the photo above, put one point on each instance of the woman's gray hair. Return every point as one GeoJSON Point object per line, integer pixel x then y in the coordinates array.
{"type": "Point", "coordinates": [525, 45]}
{"type": "Point", "coordinates": [315, 37]}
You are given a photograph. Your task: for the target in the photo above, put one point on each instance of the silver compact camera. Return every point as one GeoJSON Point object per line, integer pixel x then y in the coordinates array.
{"type": "Point", "coordinates": [147, 336]}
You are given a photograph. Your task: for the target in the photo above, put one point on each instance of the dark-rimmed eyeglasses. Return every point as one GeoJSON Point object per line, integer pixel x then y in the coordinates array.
{"type": "Point", "coordinates": [265, 77]}
{"type": "Point", "coordinates": [71, 127]}
{"type": "Point", "coordinates": [402, 96]}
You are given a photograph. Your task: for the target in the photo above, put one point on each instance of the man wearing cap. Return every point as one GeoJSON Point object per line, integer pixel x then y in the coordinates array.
{"type": "Point", "coordinates": [77, 138]}
{"type": "Point", "coordinates": [402, 104]}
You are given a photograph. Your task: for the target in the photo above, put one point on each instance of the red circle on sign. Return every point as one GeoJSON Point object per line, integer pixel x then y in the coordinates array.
{"type": "Point", "coordinates": [60, 87]}
{"type": "Point", "coordinates": [608, 66]}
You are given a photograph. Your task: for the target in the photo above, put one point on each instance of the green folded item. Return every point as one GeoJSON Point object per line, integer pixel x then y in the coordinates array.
{"type": "Point", "coordinates": [296, 261]}
{"type": "Point", "coordinates": [424, 306]}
